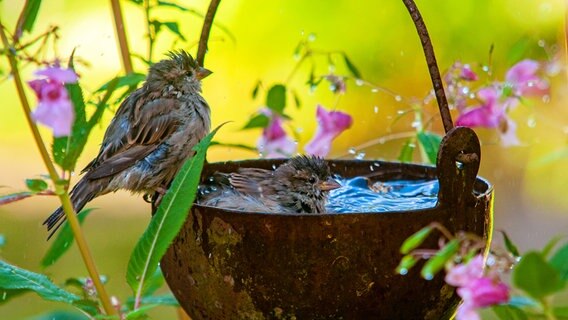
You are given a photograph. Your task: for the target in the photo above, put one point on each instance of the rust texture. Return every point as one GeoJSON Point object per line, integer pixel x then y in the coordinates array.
{"type": "Point", "coordinates": [238, 265]}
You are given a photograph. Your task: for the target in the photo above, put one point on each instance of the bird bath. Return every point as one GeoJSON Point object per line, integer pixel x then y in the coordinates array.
{"type": "Point", "coordinates": [248, 265]}
{"type": "Point", "coordinates": [239, 265]}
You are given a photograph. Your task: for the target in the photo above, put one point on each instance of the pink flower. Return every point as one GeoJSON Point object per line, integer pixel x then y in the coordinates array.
{"type": "Point", "coordinates": [330, 125]}
{"type": "Point", "coordinates": [525, 81]}
{"type": "Point", "coordinates": [464, 274]}
{"type": "Point", "coordinates": [476, 289]}
{"type": "Point", "coordinates": [54, 109]}
{"type": "Point", "coordinates": [491, 114]}
{"type": "Point", "coordinates": [274, 143]}
{"type": "Point", "coordinates": [468, 74]}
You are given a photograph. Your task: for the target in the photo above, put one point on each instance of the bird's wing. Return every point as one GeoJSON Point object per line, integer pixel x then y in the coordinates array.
{"type": "Point", "coordinates": [131, 137]}
{"type": "Point", "coordinates": [249, 180]}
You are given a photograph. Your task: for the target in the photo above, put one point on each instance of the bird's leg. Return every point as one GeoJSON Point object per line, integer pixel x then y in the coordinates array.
{"type": "Point", "coordinates": [157, 197]}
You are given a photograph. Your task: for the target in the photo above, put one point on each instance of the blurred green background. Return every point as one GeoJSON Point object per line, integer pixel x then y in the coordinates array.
{"type": "Point", "coordinates": [378, 36]}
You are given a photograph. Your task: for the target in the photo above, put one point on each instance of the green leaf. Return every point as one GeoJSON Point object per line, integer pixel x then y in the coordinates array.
{"type": "Point", "coordinates": [297, 100]}
{"type": "Point", "coordinates": [430, 142]}
{"type": "Point", "coordinates": [437, 262]}
{"type": "Point", "coordinates": [354, 71]}
{"type": "Point", "coordinates": [155, 282]}
{"type": "Point", "coordinates": [511, 247]}
{"type": "Point", "coordinates": [174, 28]}
{"type": "Point", "coordinates": [164, 300]}
{"type": "Point", "coordinates": [536, 277]}
{"type": "Point", "coordinates": [12, 197]}
{"type": "Point", "coordinates": [405, 264]}
{"type": "Point", "coordinates": [258, 121]}
{"type": "Point", "coordinates": [407, 151]}
{"type": "Point", "coordinates": [173, 5]}
{"type": "Point", "coordinates": [559, 261]}
{"type": "Point", "coordinates": [14, 278]}
{"type": "Point", "coordinates": [561, 312]}
{"type": "Point", "coordinates": [550, 245]}
{"type": "Point", "coordinates": [61, 315]}
{"type": "Point", "coordinates": [129, 80]}
{"type": "Point", "coordinates": [66, 150]}
{"type": "Point", "coordinates": [415, 240]}
{"type": "Point", "coordinates": [232, 145]}
{"type": "Point", "coordinates": [168, 220]}
{"type": "Point", "coordinates": [506, 312]}
{"type": "Point", "coordinates": [28, 16]}
{"type": "Point", "coordinates": [140, 313]}
{"type": "Point", "coordinates": [63, 241]}
{"type": "Point", "coordinates": [36, 185]}
{"type": "Point", "coordinates": [276, 98]}
{"type": "Point", "coordinates": [519, 50]}
{"type": "Point", "coordinates": [255, 89]}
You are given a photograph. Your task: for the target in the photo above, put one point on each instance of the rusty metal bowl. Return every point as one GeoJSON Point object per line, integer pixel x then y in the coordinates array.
{"type": "Point", "coordinates": [241, 265]}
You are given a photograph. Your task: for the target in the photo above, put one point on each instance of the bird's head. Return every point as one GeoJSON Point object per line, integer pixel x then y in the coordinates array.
{"type": "Point", "coordinates": [180, 71]}
{"type": "Point", "coordinates": [309, 180]}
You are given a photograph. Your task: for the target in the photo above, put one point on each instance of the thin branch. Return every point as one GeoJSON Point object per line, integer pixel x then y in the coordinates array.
{"type": "Point", "coordinates": [207, 23]}
{"type": "Point", "coordinates": [121, 34]}
{"type": "Point", "coordinates": [432, 64]}
{"type": "Point", "coordinates": [63, 196]}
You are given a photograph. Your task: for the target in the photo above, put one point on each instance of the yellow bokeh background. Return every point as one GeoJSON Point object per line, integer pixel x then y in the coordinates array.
{"type": "Point", "coordinates": [379, 38]}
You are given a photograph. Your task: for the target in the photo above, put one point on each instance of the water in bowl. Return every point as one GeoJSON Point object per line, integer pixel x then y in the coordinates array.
{"type": "Point", "coordinates": [359, 195]}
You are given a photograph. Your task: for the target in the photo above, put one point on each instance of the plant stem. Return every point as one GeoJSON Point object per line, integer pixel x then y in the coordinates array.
{"type": "Point", "coordinates": [207, 23]}
{"type": "Point", "coordinates": [63, 196]}
{"type": "Point", "coordinates": [149, 29]}
{"type": "Point", "coordinates": [121, 34]}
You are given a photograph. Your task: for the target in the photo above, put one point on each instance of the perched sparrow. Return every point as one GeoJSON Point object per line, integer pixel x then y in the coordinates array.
{"type": "Point", "coordinates": [300, 185]}
{"type": "Point", "coordinates": [150, 137]}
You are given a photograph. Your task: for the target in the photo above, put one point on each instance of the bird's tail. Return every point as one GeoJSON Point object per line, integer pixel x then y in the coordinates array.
{"type": "Point", "coordinates": [82, 193]}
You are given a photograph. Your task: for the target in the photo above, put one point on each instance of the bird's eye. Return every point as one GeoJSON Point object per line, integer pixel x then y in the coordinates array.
{"type": "Point", "coordinates": [312, 180]}
{"type": "Point", "coordinates": [189, 73]}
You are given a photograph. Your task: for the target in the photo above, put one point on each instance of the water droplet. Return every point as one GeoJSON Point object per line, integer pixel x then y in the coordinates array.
{"type": "Point", "coordinates": [429, 276]}
{"type": "Point", "coordinates": [376, 164]}
{"type": "Point", "coordinates": [541, 43]}
{"type": "Point", "coordinates": [332, 87]}
{"type": "Point", "coordinates": [371, 168]}
{"type": "Point", "coordinates": [376, 109]}
{"type": "Point", "coordinates": [485, 68]}
{"type": "Point", "coordinates": [546, 98]}
{"type": "Point", "coordinates": [312, 37]}
{"type": "Point", "coordinates": [459, 165]}
{"type": "Point", "coordinates": [403, 271]}
{"type": "Point", "coordinates": [359, 82]}
{"type": "Point", "coordinates": [299, 130]}
{"type": "Point", "coordinates": [398, 98]}
{"type": "Point", "coordinates": [297, 56]}
{"type": "Point", "coordinates": [261, 155]}
{"type": "Point", "coordinates": [416, 124]}
{"type": "Point", "coordinates": [531, 122]}
{"type": "Point", "coordinates": [465, 90]}
{"type": "Point", "coordinates": [374, 90]}
{"type": "Point", "coordinates": [530, 84]}
{"type": "Point", "coordinates": [472, 95]}
{"type": "Point", "coordinates": [360, 156]}
{"type": "Point", "coordinates": [331, 68]}
{"type": "Point", "coordinates": [352, 151]}
{"type": "Point", "coordinates": [400, 112]}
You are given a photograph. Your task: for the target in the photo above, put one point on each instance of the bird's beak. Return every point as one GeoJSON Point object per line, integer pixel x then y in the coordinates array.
{"type": "Point", "coordinates": [328, 185]}
{"type": "Point", "coordinates": [202, 73]}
